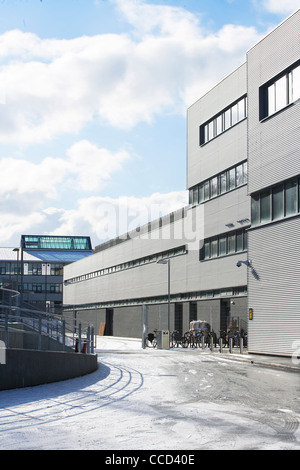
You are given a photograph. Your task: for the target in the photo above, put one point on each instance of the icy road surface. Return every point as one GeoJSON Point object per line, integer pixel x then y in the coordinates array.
{"type": "Point", "coordinates": [157, 399]}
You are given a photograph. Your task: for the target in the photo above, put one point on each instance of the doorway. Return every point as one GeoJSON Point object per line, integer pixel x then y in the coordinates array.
{"type": "Point", "coordinates": [178, 320]}
{"type": "Point", "coordinates": [225, 314]}
{"type": "Point", "coordinates": [109, 322]}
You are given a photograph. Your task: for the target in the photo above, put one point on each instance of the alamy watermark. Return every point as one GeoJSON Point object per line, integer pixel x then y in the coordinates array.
{"type": "Point", "coordinates": [150, 222]}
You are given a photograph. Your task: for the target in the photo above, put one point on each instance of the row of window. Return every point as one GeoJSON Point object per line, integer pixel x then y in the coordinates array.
{"type": "Point", "coordinates": [223, 121]}
{"type": "Point", "coordinates": [219, 184]}
{"type": "Point", "coordinates": [56, 242]}
{"type": "Point", "coordinates": [224, 244]}
{"type": "Point", "coordinates": [282, 200]}
{"type": "Point", "coordinates": [279, 93]}
{"type": "Point", "coordinates": [31, 269]}
{"type": "Point", "coordinates": [184, 297]}
{"type": "Point", "coordinates": [40, 288]}
{"type": "Point", "coordinates": [131, 264]}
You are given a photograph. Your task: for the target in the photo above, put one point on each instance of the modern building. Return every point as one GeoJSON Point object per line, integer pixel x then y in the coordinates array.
{"type": "Point", "coordinates": [35, 269]}
{"type": "Point", "coordinates": [225, 264]}
{"type": "Point", "coordinates": [274, 171]}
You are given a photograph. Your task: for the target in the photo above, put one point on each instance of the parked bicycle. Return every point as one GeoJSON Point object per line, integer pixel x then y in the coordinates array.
{"type": "Point", "coordinates": [176, 339]}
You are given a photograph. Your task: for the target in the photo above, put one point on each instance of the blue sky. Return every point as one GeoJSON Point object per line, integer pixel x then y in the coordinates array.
{"type": "Point", "coordinates": [93, 100]}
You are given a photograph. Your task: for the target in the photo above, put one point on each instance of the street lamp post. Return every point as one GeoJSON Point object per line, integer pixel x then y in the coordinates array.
{"type": "Point", "coordinates": [167, 261]}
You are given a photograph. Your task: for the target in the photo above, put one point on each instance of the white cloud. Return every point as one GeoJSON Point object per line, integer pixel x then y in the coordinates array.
{"type": "Point", "coordinates": [86, 168]}
{"type": "Point", "coordinates": [92, 166]}
{"type": "Point", "coordinates": [13, 225]}
{"type": "Point", "coordinates": [57, 86]}
{"type": "Point", "coordinates": [281, 7]}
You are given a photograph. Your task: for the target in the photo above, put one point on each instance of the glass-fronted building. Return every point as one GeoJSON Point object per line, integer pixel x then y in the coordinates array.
{"type": "Point", "coordinates": [35, 269]}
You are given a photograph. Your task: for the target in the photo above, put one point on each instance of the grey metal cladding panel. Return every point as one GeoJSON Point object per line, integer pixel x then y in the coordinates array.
{"type": "Point", "coordinates": [274, 142]}
{"type": "Point", "coordinates": [222, 95]}
{"type": "Point", "coordinates": [227, 212]}
{"type": "Point", "coordinates": [226, 150]}
{"type": "Point", "coordinates": [274, 287]}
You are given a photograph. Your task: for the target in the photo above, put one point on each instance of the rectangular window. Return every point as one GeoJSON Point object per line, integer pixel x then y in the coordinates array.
{"type": "Point", "coordinates": [231, 243]}
{"type": "Point", "coordinates": [280, 92]}
{"type": "Point", "coordinates": [239, 240]}
{"type": "Point", "coordinates": [214, 248]}
{"type": "Point", "coordinates": [255, 212]}
{"type": "Point", "coordinates": [222, 245]}
{"type": "Point", "coordinates": [231, 174]}
{"type": "Point", "coordinates": [206, 190]}
{"type": "Point", "coordinates": [223, 183]}
{"type": "Point", "coordinates": [265, 206]}
{"type": "Point", "coordinates": [295, 84]}
{"type": "Point", "coordinates": [207, 250]}
{"type": "Point", "coordinates": [195, 195]}
{"type": "Point", "coordinates": [214, 187]}
{"type": "Point", "coordinates": [277, 202]}
{"type": "Point", "coordinates": [239, 175]}
{"type": "Point", "coordinates": [227, 119]}
{"type": "Point", "coordinates": [291, 198]}
{"type": "Point", "coordinates": [219, 124]}
{"type": "Point", "coordinates": [223, 121]}
{"type": "Point", "coordinates": [201, 193]}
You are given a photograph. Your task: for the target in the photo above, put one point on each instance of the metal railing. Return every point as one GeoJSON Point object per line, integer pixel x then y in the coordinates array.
{"type": "Point", "coordinates": [28, 328]}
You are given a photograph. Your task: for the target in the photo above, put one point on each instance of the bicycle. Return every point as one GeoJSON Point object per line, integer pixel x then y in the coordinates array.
{"type": "Point", "coordinates": [176, 339]}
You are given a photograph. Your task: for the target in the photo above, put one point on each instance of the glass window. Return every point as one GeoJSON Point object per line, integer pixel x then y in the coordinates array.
{"type": "Point", "coordinates": [222, 245]}
{"type": "Point", "coordinates": [234, 114]}
{"type": "Point", "coordinates": [239, 240]}
{"type": "Point", "coordinates": [195, 195]}
{"type": "Point", "coordinates": [295, 84]}
{"type": "Point", "coordinates": [207, 250]}
{"type": "Point", "coordinates": [242, 109]}
{"type": "Point", "coordinates": [214, 247]}
{"type": "Point", "coordinates": [291, 203]}
{"type": "Point", "coordinates": [281, 93]}
{"type": "Point", "coordinates": [231, 243]}
{"type": "Point", "coordinates": [214, 187]}
{"type": "Point", "coordinates": [232, 179]}
{"type": "Point", "coordinates": [219, 124]}
{"type": "Point", "coordinates": [211, 133]}
{"type": "Point", "coordinates": [255, 210]}
{"type": "Point", "coordinates": [239, 175]}
{"type": "Point", "coordinates": [227, 119]}
{"type": "Point", "coordinates": [206, 136]}
{"type": "Point", "coordinates": [245, 172]}
{"type": "Point", "coordinates": [277, 202]}
{"type": "Point", "coordinates": [265, 206]}
{"type": "Point", "coordinates": [271, 99]}
{"type": "Point", "coordinates": [206, 190]}
{"type": "Point", "coordinates": [223, 183]}
{"type": "Point", "coordinates": [201, 193]}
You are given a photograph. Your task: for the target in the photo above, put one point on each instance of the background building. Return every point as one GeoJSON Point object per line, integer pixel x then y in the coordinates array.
{"type": "Point", "coordinates": [35, 268]}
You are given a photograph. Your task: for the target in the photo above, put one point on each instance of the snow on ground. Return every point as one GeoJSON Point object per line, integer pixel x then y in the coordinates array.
{"type": "Point", "coordinates": [155, 399]}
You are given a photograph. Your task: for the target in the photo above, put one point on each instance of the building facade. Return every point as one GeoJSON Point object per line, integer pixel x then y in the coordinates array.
{"type": "Point", "coordinates": [203, 241]}
{"type": "Point", "coordinates": [236, 261]}
{"type": "Point", "coordinates": [274, 171]}
{"type": "Point", "coordinates": [35, 269]}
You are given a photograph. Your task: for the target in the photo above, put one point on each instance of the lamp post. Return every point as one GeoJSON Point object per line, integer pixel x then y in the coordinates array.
{"type": "Point", "coordinates": [17, 250]}
{"type": "Point", "coordinates": [167, 261]}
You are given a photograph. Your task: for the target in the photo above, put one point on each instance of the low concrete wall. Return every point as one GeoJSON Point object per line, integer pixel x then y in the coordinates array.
{"type": "Point", "coordinates": [26, 368]}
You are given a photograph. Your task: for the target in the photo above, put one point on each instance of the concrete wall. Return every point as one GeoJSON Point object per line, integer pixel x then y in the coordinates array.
{"type": "Point", "coordinates": [26, 368]}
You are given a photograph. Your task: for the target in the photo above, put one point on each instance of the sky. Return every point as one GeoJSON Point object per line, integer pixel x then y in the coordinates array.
{"type": "Point", "coordinates": [93, 103]}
